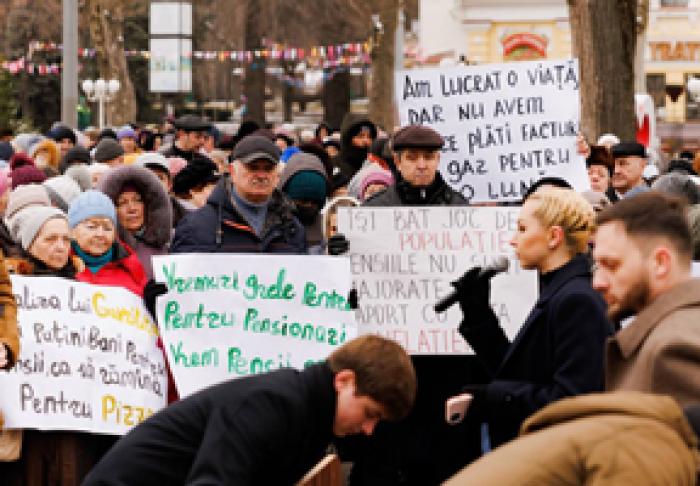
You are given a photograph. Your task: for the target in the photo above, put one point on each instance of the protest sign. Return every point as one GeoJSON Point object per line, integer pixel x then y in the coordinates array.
{"type": "Point", "coordinates": [227, 316]}
{"type": "Point", "coordinates": [403, 260]}
{"type": "Point", "coordinates": [505, 125]}
{"type": "Point", "coordinates": [88, 359]}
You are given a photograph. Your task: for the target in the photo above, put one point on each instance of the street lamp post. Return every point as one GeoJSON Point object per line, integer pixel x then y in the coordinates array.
{"type": "Point", "coordinates": [101, 91]}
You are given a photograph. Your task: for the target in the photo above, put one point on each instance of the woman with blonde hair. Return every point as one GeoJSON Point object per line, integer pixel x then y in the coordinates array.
{"type": "Point", "coordinates": [558, 351]}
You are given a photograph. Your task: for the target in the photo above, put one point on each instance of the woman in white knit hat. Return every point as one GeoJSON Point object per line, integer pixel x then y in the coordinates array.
{"type": "Point", "coordinates": [45, 239]}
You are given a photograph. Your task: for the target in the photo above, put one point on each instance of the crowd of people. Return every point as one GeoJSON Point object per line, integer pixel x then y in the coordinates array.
{"type": "Point", "coordinates": [617, 310]}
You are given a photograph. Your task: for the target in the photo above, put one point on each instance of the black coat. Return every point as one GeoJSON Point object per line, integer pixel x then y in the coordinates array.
{"type": "Point", "coordinates": [404, 194]}
{"type": "Point", "coordinates": [558, 352]}
{"type": "Point", "coordinates": [217, 227]}
{"type": "Point", "coordinates": [422, 449]}
{"type": "Point", "coordinates": [260, 430]}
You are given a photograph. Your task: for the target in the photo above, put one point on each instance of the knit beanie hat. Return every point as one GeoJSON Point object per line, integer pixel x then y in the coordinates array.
{"type": "Point", "coordinates": [91, 204]}
{"type": "Point", "coordinates": [108, 149]}
{"type": "Point", "coordinates": [126, 132]}
{"type": "Point", "coordinates": [26, 196]}
{"type": "Point", "coordinates": [33, 221]}
{"type": "Point", "coordinates": [80, 174]}
{"type": "Point", "coordinates": [308, 185]}
{"type": "Point", "coordinates": [23, 171]}
{"type": "Point", "coordinates": [61, 132]}
{"type": "Point", "coordinates": [376, 177]}
{"type": "Point", "coordinates": [62, 191]}
{"type": "Point", "coordinates": [193, 174]}
{"type": "Point", "coordinates": [77, 154]}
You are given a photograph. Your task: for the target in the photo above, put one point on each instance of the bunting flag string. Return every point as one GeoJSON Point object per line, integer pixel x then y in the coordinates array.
{"type": "Point", "coordinates": [326, 56]}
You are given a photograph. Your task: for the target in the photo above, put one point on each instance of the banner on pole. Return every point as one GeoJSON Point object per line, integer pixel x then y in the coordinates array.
{"type": "Point", "coordinates": [403, 260]}
{"type": "Point", "coordinates": [227, 316]}
{"type": "Point", "coordinates": [88, 359]}
{"type": "Point", "coordinates": [505, 125]}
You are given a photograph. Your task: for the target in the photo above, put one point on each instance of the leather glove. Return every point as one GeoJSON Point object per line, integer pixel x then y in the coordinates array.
{"type": "Point", "coordinates": [338, 244]}
{"type": "Point", "coordinates": [473, 291]}
{"type": "Point", "coordinates": [150, 292]}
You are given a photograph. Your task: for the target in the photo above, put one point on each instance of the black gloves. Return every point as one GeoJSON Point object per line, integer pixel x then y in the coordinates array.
{"type": "Point", "coordinates": [338, 244]}
{"type": "Point", "coordinates": [152, 290]}
{"type": "Point", "coordinates": [473, 291]}
{"type": "Point", "coordinates": [353, 301]}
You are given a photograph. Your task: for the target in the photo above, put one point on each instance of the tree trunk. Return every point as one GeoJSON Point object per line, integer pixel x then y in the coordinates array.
{"type": "Point", "coordinates": [107, 34]}
{"type": "Point", "coordinates": [254, 82]}
{"type": "Point", "coordinates": [336, 98]}
{"type": "Point", "coordinates": [381, 97]}
{"type": "Point", "coordinates": [604, 37]}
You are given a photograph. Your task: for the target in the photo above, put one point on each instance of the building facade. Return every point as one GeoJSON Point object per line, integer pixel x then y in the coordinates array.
{"type": "Point", "coordinates": [494, 31]}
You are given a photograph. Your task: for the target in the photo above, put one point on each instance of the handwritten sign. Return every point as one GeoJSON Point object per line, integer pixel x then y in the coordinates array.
{"type": "Point", "coordinates": [403, 260]}
{"type": "Point", "coordinates": [88, 359]}
{"type": "Point", "coordinates": [505, 125]}
{"type": "Point", "coordinates": [227, 316]}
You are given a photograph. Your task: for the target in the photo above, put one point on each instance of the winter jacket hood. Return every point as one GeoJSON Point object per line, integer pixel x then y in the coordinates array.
{"type": "Point", "coordinates": [661, 408]}
{"type": "Point", "coordinates": [158, 211]}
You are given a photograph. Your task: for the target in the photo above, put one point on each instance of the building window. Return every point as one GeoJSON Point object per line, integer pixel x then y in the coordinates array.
{"type": "Point", "coordinates": [674, 3]}
{"type": "Point", "coordinates": [656, 87]}
{"type": "Point", "coordinates": [692, 107]}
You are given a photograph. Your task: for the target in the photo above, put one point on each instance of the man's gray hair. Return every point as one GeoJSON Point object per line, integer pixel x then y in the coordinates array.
{"type": "Point", "coordinates": [679, 185]}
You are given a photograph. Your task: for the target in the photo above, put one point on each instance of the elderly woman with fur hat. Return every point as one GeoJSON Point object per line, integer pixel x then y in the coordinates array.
{"type": "Point", "coordinates": [108, 261]}
{"type": "Point", "coordinates": [144, 211]}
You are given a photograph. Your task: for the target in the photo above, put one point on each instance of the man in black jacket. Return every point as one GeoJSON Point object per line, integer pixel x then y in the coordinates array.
{"type": "Point", "coordinates": [191, 134]}
{"type": "Point", "coordinates": [419, 183]}
{"type": "Point", "coordinates": [246, 214]}
{"type": "Point", "coordinates": [267, 429]}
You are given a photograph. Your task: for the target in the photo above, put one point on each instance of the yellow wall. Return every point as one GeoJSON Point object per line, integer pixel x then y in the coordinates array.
{"type": "Point", "coordinates": [485, 44]}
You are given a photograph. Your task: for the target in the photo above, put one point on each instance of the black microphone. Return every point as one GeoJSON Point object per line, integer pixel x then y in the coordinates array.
{"type": "Point", "coordinates": [499, 265]}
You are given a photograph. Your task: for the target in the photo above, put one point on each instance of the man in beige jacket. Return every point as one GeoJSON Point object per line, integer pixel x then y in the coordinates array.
{"type": "Point", "coordinates": [624, 438]}
{"type": "Point", "coordinates": [643, 254]}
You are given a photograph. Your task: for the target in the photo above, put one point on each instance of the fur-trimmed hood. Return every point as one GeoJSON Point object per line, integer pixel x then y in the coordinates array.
{"type": "Point", "coordinates": [158, 210]}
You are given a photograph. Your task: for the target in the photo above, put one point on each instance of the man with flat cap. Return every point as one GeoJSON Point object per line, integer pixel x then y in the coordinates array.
{"type": "Point", "coordinates": [191, 133]}
{"type": "Point", "coordinates": [246, 214]}
{"type": "Point", "coordinates": [416, 151]}
{"type": "Point", "coordinates": [422, 449]}
{"type": "Point", "coordinates": [630, 159]}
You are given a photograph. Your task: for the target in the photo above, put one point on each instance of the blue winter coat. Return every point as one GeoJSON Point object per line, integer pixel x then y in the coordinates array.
{"type": "Point", "coordinates": [218, 227]}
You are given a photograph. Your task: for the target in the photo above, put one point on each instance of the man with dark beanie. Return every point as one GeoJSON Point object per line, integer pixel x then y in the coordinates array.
{"type": "Point", "coordinates": [357, 134]}
{"type": "Point", "coordinates": [75, 155]}
{"type": "Point", "coordinates": [305, 182]}
{"type": "Point", "coordinates": [64, 137]}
